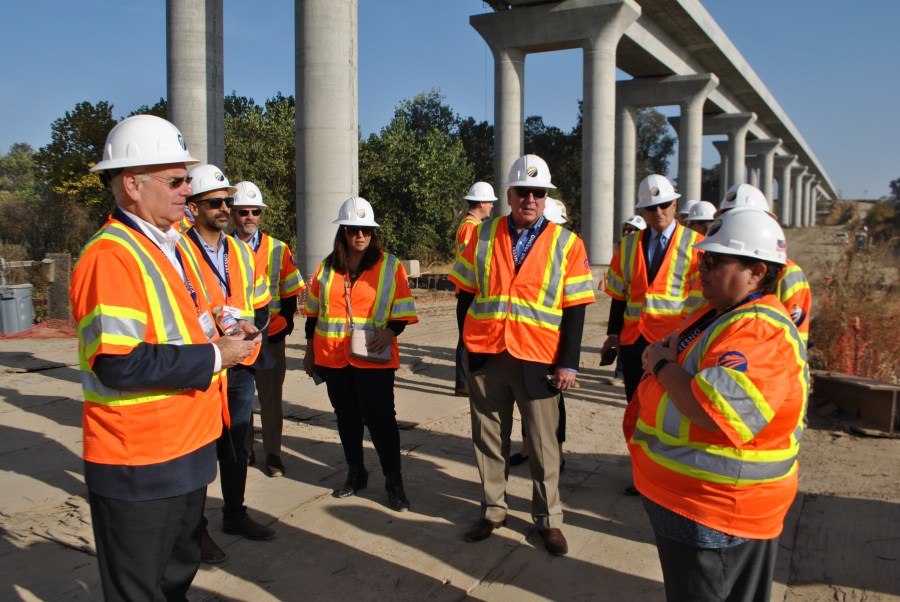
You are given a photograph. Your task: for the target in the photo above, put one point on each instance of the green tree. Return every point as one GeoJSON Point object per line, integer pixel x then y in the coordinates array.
{"type": "Point", "coordinates": [260, 146]}
{"type": "Point", "coordinates": [413, 178]}
{"type": "Point", "coordinates": [160, 109]}
{"type": "Point", "coordinates": [20, 198]}
{"type": "Point", "coordinates": [655, 143]}
{"type": "Point", "coordinates": [478, 141]}
{"type": "Point", "coordinates": [426, 111]}
{"type": "Point", "coordinates": [76, 202]}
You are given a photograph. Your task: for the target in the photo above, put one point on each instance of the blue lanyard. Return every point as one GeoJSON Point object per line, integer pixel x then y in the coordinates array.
{"type": "Point", "coordinates": [521, 252]}
{"type": "Point", "coordinates": [223, 280]}
{"type": "Point", "coordinates": [687, 337]}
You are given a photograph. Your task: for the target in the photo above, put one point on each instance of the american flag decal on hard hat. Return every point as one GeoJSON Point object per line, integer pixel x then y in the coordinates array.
{"type": "Point", "coordinates": [780, 245]}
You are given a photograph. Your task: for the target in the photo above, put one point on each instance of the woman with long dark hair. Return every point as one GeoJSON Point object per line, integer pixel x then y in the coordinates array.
{"type": "Point", "coordinates": [360, 294]}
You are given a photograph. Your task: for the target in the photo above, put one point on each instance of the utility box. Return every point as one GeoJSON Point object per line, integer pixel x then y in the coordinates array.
{"type": "Point", "coordinates": [16, 308]}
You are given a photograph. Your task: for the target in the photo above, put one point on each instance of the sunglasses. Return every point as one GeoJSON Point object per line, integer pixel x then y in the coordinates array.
{"type": "Point", "coordinates": [352, 230]}
{"type": "Point", "coordinates": [172, 182]}
{"type": "Point", "coordinates": [662, 206]}
{"type": "Point", "coordinates": [246, 212]}
{"type": "Point", "coordinates": [217, 203]}
{"type": "Point", "coordinates": [714, 260]}
{"type": "Point", "coordinates": [537, 193]}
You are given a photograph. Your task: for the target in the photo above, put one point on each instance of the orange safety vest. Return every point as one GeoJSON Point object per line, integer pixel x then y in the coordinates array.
{"type": "Point", "coordinates": [249, 288]}
{"type": "Point", "coordinates": [521, 312]}
{"type": "Point", "coordinates": [464, 234]}
{"type": "Point", "coordinates": [124, 292]}
{"type": "Point", "coordinates": [750, 375]}
{"type": "Point", "coordinates": [273, 257]}
{"type": "Point", "coordinates": [380, 294]}
{"type": "Point", "coordinates": [796, 296]}
{"type": "Point", "coordinates": [655, 310]}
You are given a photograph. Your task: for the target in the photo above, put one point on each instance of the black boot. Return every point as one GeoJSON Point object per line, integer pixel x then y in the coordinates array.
{"type": "Point", "coordinates": [396, 496]}
{"type": "Point", "coordinates": [357, 478]}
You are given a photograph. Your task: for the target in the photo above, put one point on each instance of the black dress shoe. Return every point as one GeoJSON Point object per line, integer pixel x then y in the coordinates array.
{"type": "Point", "coordinates": [249, 528]}
{"type": "Point", "coordinates": [517, 458]}
{"type": "Point", "coordinates": [357, 478]}
{"type": "Point", "coordinates": [482, 529]}
{"type": "Point", "coordinates": [274, 466]}
{"type": "Point", "coordinates": [210, 552]}
{"type": "Point", "coordinates": [555, 542]}
{"type": "Point", "coordinates": [461, 391]}
{"type": "Point", "coordinates": [396, 496]}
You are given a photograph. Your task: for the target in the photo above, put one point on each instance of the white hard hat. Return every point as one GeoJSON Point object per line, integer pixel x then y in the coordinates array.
{"type": "Point", "coordinates": [529, 170]}
{"type": "Point", "coordinates": [206, 178]}
{"type": "Point", "coordinates": [356, 211]}
{"type": "Point", "coordinates": [637, 221]}
{"type": "Point", "coordinates": [655, 190]}
{"type": "Point", "coordinates": [746, 232]}
{"type": "Point", "coordinates": [686, 208]}
{"type": "Point", "coordinates": [248, 195]}
{"type": "Point", "coordinates": [744, 195]}
{"type": "Point", "coordinates": [143, 140]}
{"type": "Point", "coordinates": [702, 211]}
{"type": "Point", "coordinates": [481, 191]}
{"type": "Point", "coordinates": [555, 211]}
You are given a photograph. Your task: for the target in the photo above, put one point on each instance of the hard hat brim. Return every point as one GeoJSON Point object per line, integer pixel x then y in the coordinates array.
{"type": "Point", "coordinates": [126, 162]}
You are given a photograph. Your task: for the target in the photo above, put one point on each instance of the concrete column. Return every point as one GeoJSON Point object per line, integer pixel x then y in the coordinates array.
{"type": "Point", "coordinates": [735, 125]}
{"type": "Point", "coordinates": [814, 200]}
{"type": "Point", "coordinates": [327, 121]}
{"type": "Point", "coordinates": [195, 76]}
{"type": "Point", "coordinates": [509, 118]}
{"type": "Point", "coordinates": [765, 162]}
{"type": "Point", "coordinates": [807, 199]}
{"type": "Point", "coordinates": [752, 170]}
{"type": "Point", "coordinates": [689, 92]}
{"type": "Point", "coordinates": [783, 165]}
{"type": "Point", "coordinates": [722, 147]}
{"type": "Point", "coordinates": [797, 194]}
{"type": "Point", "coordinates": [626, 154]}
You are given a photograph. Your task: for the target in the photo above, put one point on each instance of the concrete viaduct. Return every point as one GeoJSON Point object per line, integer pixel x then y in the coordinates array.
{"type": "Point", "coordinates": [674, 51]}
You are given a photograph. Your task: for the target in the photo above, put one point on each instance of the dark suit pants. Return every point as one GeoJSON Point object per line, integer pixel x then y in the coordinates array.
{"type": "Point", "coordinates": [147, 550]}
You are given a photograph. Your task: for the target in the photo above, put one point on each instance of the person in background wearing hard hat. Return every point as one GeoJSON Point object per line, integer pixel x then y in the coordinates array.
{"type": "Point", "coordinates": [700, 216]}
{"type": "Point", "coordinates": [555, 211]}
{"type": "Point", "coordinates": [793, 286]}
{"type": "Point", "coordinates": [714, 431]}
{"type": "Point", "coordinates": [682, 215]}
{"type": "Point", "coordinates": [274, 258]}
{"type": "Point", "coordinates": [152, 365]}
{"type": "Point", "coordinates": [523, 286]}
{"type": "Point", "coordinates": [633, 224]}
{"type": "Point", "coordinates": [650, 280]}
{"type": "Point", "coordinates": [227, 264]}
{"type": "Point", "coordinates": [480, 201]}
{"type": "Point", "coordinates": [360, 286]}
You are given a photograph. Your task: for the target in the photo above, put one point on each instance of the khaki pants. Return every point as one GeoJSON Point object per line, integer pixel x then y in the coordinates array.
{"type": "Point", "coordinates": [270, 387]}
{"type": "Point", "coordinates": [493, 391]}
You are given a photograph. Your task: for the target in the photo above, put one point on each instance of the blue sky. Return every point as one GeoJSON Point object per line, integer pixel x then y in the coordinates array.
{"type": "Point", "coordinates": [832, 68]}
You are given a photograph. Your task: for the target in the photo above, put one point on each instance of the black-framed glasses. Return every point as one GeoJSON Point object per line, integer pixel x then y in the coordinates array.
{"type": "Point", "coordinates": [713, 260]}
{"type": "Point", "coordinates": [172, 182]}
{"type": "Point", "coordinates": [663, 206]}
{"type": "Point", "coordinates": [524, 191]}
{"type": "Point", "coordinates": [217, 203]}
{"type": "Point", "coordinates": [246, 212]}
{"type": "Point", "coordinates": [352, 230]}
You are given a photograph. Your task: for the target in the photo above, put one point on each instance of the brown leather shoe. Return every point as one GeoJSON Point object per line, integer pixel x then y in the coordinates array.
{"type": "Point", "coordinates": [247, 527]}
{"type": "Point", "coordinates": [274, 466]}
{"type": "Point", "coordinates": [555, 542]}
{"type": "Point", "coordinates": [210, 552]}
{"type": "Point", "coordinates": [482, 529]}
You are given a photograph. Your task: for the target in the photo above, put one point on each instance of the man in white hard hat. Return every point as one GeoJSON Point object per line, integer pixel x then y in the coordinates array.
{"type": "Point", "coordinates": [682, 214]}
{"type": "Point", "coordinates": [273, 257]}
{"type": "Point", "coordinates": [151, 360]}
{"type": "Point", "coordinates": [700, 216]}
{"type": "Point", "coordinates": [228, 264]}
{"type": "Point", "coordinates": [523, 283]}
{"type": "Point", "coordinates": [480, 202]}
{"type": "Point", "coordinates": [650, 279]}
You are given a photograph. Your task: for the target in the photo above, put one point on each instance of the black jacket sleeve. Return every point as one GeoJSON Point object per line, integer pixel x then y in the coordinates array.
{"type": "Point", "coordinates": [158, 367]}
{"type": "Point", "coordinates": [616, 317]}
{"type": "Point", "coordinates": [463, 302]}
{"type": "Point", "coordinates": [571, 330]}
{"type": "Point", "coordinates": [288, 309]}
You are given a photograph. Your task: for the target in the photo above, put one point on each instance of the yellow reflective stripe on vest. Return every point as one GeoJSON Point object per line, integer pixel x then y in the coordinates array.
{"type": "Point", "coordinates": [791, 280]}
{"type": "Point", "coordinates": [115, 324]}
{"type": "Point", "coordinates": [672, 300]}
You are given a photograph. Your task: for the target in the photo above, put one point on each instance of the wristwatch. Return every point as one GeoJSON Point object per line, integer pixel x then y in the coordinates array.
{"type": "Point", "coordinates": [659, 365]}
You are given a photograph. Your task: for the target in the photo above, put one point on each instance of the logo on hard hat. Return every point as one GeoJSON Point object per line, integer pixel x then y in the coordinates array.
{"type": "Point", "coordinates": [219, 176]}
{"type": "Point", "coordinates": [361, 212]}
{"type": "Point", "coordinates": [730, 197]}
{"type": "Point", "coordinates": [182, 142]}
{"type": "Point", "coordinates": [532, 171]}
{"type": "Point", "coordinates": [251, 194]}
{"type": "Point", "coordinates": [714, 227]}
{"type": "Point", "coordinates": [654, 191]}
{"type": "Point", "coordinates": [735, 360]}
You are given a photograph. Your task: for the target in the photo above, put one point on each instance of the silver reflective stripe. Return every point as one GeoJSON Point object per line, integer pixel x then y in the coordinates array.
{"type": "Point", "coordinates": [385, 292]}
{"type": "Point", "coordinates": [736, 396]}
{"type": "Point", "coordinates": [575, 288]}
{"type": "Point", "coordinates": [335, 326]}
{"type": "Point", "coordinates": [708, 461]}
{"type": "Point", "coordinates": [654, 303]}
{"type": "Point", "coordinates": [404, 307]}
{"type": "Point", "coordinates": [557, 257]}
{"type": "Point", "coordinates": [629, 246]}
{"type": "Point", "coordinates": [489, 307]}
{"type": "Point", "coordinates": [518, 308]}
{"type": "Point", "coordinates": [482, 254]}
{"type": "Point", "coordinates": [682, 258]}
{"type": "Point", "coordinates": [103, 324]}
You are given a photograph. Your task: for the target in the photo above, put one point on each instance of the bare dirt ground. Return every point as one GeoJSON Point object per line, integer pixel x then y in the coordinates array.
{"type": "Point", "coordinates": [841, 539]}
